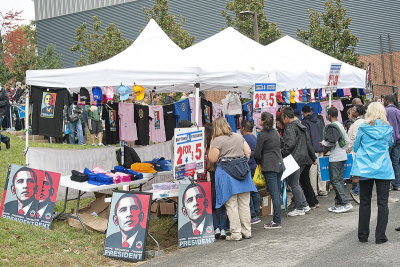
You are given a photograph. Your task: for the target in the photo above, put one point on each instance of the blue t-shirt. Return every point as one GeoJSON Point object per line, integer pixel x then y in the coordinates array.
{"type": "Point", "coordinates": [315, 105]}
{"type": "Point", "coordinates": [232, 122]}
{"type": "Point", "coordinates": [340, 92]}
{"type": "Point", "coordinates": [182, 110]}
{"type": "Point", "coordinates": [251, 140]}
{"type": "Point", "coordinates": [248, 108]}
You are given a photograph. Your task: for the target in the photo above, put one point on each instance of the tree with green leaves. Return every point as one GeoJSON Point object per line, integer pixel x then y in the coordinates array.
{"type": "Point", "coordinates": [99, 43]}
{"type": "Point", "coordinates": [268, 31]}
{"type": "Point", "coordinates": [49, 59]}
{"type": "Point", "coordinates": [329, 33]}
{"type": "Point", "coordinates": [174, 29]}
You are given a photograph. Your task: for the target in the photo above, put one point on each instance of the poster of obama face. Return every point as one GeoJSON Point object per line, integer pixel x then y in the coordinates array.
{"type": "Point", "coordinates": [127, 225]}
{"type": "Point", "coordinates": [29, 195]}
{"type": "Point", "coordinates": [195, 225]}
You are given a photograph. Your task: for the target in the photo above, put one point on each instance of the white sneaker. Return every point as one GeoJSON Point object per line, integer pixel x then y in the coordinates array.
{"type": "Point", "coordinates": [339, 209]}
{"type": "Point", "coordinates": [223, 234]}
{"type": "Point", "coordinates": [307, 209]}
{"type": "Point", "coordinates": [393, 199]}
{"type": "Point", "coordinates": [296, 212]}
{"type": "Point", "coordinates": [217, 233]}
{"type": "Point", "coordinates": [348, 206]}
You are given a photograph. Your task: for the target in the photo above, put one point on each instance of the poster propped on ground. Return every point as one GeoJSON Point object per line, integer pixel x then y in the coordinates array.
{"type": "Point", "coordinates": [195, 215]}
{"type": "Point", "coordinates": [324, 167]}
{"type": "Point", "coordinates": [29, 195]}
{"type": "Point", "coordinates": [127, 225]}
{"type": "Point", "coordinates": [188, 151]}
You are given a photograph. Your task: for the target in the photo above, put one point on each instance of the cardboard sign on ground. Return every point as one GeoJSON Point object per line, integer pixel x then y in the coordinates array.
{"type": "Point", "coordinates": [195, 222]}
{"type": "Point", "coordinates": [29, 196]}
{"type": "Point", "coordinates": [127, 225]}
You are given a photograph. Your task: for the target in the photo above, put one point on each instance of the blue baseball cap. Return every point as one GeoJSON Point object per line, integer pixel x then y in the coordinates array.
{"type": "Point", "coordinates": [287, 97]}
{"type": "Point", "coordinates": [97, 94]}
{"type": "Point", "coordinates": [124, 92]}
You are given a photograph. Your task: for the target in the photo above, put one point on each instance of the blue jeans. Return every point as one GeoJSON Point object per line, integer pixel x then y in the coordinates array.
{"type": "Point", "coordinates": [220, 219]}
{"type": "Point", "coordinates": [395, 157]}
{"type": "Point", "coordinates": [255, 201]}
{"type": "Point", "coordinates": [336, 170]}
{"type": "Point", "coordinates": [75, 127]}
{"type": "Point", "coordinates": [293, 181]}
{"type": "Point", "coordinates": [355, 188]}
{"type": "Point", "coordinates": [273, 182]}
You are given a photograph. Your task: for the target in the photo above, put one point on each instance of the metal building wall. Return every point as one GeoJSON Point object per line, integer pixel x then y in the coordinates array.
{"type": "Point", "coordinates": [371, 18]}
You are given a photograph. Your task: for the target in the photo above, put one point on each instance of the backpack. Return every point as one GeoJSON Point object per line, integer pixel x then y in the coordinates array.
{"type": "Point", "coordinates": [342, 140]}
{"type": "Point", "coordinates": [130, 157]}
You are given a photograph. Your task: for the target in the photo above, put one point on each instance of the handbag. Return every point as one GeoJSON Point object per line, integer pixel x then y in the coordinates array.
{"type": "Point", "coordinates": [258, 177]}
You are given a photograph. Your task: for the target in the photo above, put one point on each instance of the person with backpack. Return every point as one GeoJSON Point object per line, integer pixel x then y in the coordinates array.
{"type": "Point", "coordinates": [335, 141]}
{"type": "Point", "coordinates": [74, 120]}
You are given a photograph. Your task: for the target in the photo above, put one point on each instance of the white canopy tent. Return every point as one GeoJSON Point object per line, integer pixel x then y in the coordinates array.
{"type": "Point", "coordinates": [153, 59]}
{"type": "Point", "coordinates": [295, 65]}
{"type": "Point", "coordinates": [227, 61]}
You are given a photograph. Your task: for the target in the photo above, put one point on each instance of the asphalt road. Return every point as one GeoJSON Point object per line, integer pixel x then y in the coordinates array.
{"type": "Point", "coordinates": [320, 238]}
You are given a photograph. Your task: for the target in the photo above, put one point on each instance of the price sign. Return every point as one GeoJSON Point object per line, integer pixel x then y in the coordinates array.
{"type": "Point", "coordinates": [188, 152]}
{"type": "Point", "coordinates": [333, 77]}
{"type": "Point", "coordinates": [264, 95]}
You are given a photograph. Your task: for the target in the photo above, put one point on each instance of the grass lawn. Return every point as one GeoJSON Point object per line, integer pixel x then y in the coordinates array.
{"type": "Point", "coordinates": [27, 245]}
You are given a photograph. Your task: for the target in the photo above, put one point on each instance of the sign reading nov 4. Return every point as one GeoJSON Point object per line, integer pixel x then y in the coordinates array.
{"type": "Point", "coordinates": [264, 95]}
{"type": "Point", "coordinates": [188, 151]}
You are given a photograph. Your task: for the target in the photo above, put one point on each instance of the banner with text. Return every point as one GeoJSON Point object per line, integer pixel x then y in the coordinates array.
{"type": "Point", "coordinates": [324, 167]}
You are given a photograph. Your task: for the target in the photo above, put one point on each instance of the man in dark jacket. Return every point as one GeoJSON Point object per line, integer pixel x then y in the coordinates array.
{"type": "Point", "coordinates": [315, 127]}
{"type": "Point", "coordinates": [3, 110]}
{"type": "Point", "coordinates": [296, 141]}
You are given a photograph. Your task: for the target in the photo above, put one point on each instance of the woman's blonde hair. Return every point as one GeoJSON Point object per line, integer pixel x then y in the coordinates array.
{"type": "Point", "coordinates": [221, 127]}
{"type": "Point", "coordinates": [375, 111]}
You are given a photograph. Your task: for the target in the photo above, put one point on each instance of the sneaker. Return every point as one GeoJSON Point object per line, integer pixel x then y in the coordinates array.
{"type": "Point", "coordinates": [223, 234]}
{"type": "Point", "coordinates": [395, 188]}
{"type": "Point", "coordinates": [255, 220]}
{"type": "Point", "coordinates": [393, 199]}
{"type": "Point", "coordinates": [230, 238]}
{"type": "Point", "coordinates": [217, 233]}
{"type": "Point", "coordinates": [348, 206]}
{"type": "Point", "coordinates": [101, 144]}
{"type": "Point", "coordinates": [307, 209]}
{"type": "Point", "coordinates": [336, 209]}
{"type": "Point", "coordinates": [323, 193]}
{"type": "Point", "coordinates": [355, 197]}
{"type": "Point", "coordinates": [315, 207]}
{"type": "Point", "coordinates": [93, 144]}
{"type": "Point", "coordinates": [296, 212]}
{"type": "Point", "coordinates": [272, 225]}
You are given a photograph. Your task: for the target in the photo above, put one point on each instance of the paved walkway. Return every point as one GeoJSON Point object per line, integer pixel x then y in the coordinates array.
{"type": "Point", "coordinates": [317, 239]}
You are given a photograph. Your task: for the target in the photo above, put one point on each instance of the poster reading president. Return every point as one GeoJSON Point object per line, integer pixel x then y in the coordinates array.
{"type": "Point", "coordinates": [127, 225]}
{"type": "Point", "coordinates": [195, 225]}
{"type": "Point", "coordinates": [48, 105]}
{"type": "Point", "coordinates": [29, 195]}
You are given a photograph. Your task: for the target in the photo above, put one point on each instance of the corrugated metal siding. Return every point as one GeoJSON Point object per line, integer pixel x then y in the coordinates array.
{"type": "Point", "coordinates": [370, 18]}
{"type": "Point", "coordinates": [45, 9]}
{"type": "Point", "coordinates": [203, 19]}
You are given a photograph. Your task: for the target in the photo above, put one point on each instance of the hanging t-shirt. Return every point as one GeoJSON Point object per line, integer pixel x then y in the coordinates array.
{"type": "Point", "coordinates": [192, 103]}
{"type": "Point", "coordinates": [48, 106]}
{"type": "Point", "coordinates": [127, 125]}
{"type": "Point", "coordinates": [142, 124]}
{"type": "Point", "coordinates": [157, 129]}
{"type": "Point", "coordinates": [325, 106]}
{"type": "Point", "coordinates": [316, 106]}
{"type": "Point", "coordinates": [169, 120]}
{"type": "Point", "coordinates": [346, 92]}
{"type": "Point", "coordinates": [346, 103]}
{"type": "Point", "coordinates": [217, 111]}
{"type": "Point", "coordinates": [232, 122]}
{"type": "Point", "coordinates": [110, 117]}
{"type": "Point", "coordinates": [206, 110]}
{"type": "Point", "coordinates": [248, 110]}
{"type": "Point", "coordinates": [182, 110]}
{"type": "Point", "coordinates": [257, 115]}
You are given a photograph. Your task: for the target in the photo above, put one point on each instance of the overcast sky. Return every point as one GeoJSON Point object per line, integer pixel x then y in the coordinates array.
{"type": "Point", "coordinates": [27, 7]}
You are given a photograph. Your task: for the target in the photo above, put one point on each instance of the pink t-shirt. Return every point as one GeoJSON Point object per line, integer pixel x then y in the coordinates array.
{"type": "Point", "coordinates": [192, 104]}
{"type": "Point", "coordinates": [127, 125]}
{"type": "Point", "coordinates": [325, 106]}
{"type": "Point", "coordinates": [347, 92]}
{"type": "Point", "coordinates": [157, 128]}
{"type": "Point", "coordinates": [217, 111]}
{"type": "Point", "coordinates": [257, 115]}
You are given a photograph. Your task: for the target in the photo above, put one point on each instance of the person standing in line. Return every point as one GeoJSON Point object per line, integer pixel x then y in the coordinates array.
{"type": "Point", "coordinates": [233, 181]}
{"type": "Point", "coordinates": [359, 111]}
{"type": "Point", "coordinates": [315, 127]}
{"type": "Point", "coordinates": [268, 154]}
{"type": "Point", "coordinates": [372, 164]}
{"type": "Point", "coordinates": [393, 116]}
{"type": "Point", "coordinates": [296, 142]}
{"type": "Point", "coordinates": [335, 141]}
{"type": "Point", "coordinates": [255, 198]}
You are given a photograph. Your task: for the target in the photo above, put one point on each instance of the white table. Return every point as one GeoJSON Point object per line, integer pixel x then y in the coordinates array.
{"type": "Point", "coordinates": [84, 187]}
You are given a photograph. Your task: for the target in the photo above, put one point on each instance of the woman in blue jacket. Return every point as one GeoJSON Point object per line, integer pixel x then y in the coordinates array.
{"type": "Point", "coordinates": [372, 164]}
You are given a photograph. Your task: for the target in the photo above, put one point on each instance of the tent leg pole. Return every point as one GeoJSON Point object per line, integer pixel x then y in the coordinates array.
{"type": "Point", "coordinates": [27, 122]}
{"type": "Point", "coordinates": [330, 99]}
{"type": "Point", "coordinates": [197, 106]}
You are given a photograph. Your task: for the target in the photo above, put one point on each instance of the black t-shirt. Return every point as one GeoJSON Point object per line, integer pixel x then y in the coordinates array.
{"type": "Point", "coordinates": [47, 113]}
{"type": "Point", "coordinates": [169, 120]}
{"type": "Point", "coordinates": [346, 106]}
{"type": "Point", "coordinates": [207, 110]}
{"type": "Point", "coordinates": [111, 118]}
{"type": "Point", "coordinates": [142, 124]}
